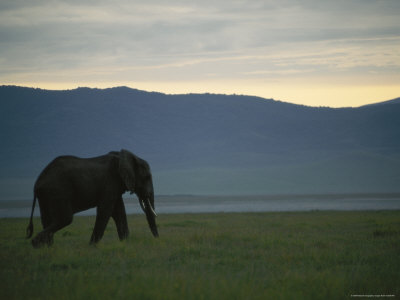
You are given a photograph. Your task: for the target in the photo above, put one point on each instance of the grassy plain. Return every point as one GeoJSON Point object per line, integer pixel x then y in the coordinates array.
{"type": "Point", "coordinates": [293, 255]}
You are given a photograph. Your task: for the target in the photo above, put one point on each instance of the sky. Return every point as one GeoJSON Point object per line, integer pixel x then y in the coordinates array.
{"type": "Point", "coordinates": [312, 52]}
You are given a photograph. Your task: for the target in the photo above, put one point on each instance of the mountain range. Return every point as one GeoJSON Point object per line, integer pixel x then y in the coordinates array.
{"type": "Point", "coordinates": [203, 143]}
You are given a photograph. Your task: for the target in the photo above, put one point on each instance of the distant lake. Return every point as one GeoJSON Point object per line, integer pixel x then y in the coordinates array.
{"type": "Point", "coordinates": [221, 204]}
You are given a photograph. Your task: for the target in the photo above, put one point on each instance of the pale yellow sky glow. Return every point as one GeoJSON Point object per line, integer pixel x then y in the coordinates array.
{"type": "Point", "coordinates": [311, 95]}
{"type": "Point", "coordinates": [336, 53]}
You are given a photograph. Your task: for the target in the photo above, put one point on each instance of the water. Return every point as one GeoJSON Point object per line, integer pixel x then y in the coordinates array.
{"type": "Point", "coordinates": [225, 204]}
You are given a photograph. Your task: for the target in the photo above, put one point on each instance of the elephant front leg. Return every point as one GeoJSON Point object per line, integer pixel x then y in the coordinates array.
{"type": "Point", "coordinates": [103, 215]}
{"type": "Point", "coordinates": [119, 216]}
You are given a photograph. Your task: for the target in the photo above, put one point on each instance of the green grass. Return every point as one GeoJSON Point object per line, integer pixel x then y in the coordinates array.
{"type": "Point", "coordinates": [302, 255]}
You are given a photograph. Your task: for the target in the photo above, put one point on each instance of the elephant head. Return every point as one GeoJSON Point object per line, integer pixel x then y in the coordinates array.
{"type": "Point", "coordinates": [136, 175]}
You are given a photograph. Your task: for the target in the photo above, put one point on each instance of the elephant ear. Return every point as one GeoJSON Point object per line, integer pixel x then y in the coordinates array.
{"type": "Point", "coordinates": [126, 169]}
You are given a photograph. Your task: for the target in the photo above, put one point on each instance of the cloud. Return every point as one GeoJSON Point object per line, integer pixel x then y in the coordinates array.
{"type": "Point", "coordinates": [115, 41]}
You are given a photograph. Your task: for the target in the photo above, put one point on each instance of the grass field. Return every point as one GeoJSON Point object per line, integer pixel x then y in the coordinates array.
{"type": "Point", "coordinates": [298, 255]}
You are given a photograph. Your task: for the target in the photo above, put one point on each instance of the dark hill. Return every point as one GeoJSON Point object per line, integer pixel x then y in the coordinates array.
{"type": "Point", "coordinates": [203, 144]}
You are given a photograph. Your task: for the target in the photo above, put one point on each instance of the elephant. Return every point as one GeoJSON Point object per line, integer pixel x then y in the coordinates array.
{"type": "Point", "coordinates": [70, 184]}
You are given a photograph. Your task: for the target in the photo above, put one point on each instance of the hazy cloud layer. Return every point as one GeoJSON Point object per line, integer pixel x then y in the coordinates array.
{"type": "Point", "coordinates": [134, 41]}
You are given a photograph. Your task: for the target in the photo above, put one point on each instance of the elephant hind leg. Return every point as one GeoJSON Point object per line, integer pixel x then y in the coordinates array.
{"type": "Point", "coordinates": [45, 215]}
{"type": "Point", "coordinates": [55, 219]}
{"type": "Point", "coordinates": [44, 237]}
{"type": "Point", "coordinates": [119, 216]}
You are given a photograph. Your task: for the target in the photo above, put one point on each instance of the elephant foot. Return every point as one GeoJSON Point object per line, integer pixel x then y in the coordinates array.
{"type": "Point", "coordinates": [42, 239]}
{"type": "Point", "coordinates": [94, 240]}
{"type": "Point", "coordinates": [123, 234]}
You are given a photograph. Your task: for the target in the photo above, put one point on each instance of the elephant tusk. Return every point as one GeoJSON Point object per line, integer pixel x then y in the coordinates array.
{"type": "Point", "coordinates": [141, 202]}
{"type": "Point", "coordinates": [150, 207]}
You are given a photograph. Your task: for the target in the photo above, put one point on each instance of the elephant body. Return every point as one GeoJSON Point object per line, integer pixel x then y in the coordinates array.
{"type": "Point", "coordinates": [71, 184]}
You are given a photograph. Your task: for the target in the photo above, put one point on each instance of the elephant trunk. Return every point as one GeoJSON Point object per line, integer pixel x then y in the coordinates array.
{"type": "Point", "coordinates": [151, 215]}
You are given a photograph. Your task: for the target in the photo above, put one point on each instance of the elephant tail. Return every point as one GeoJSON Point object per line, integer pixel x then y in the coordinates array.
{"type": "Point", "coordinates": [29, 229]}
